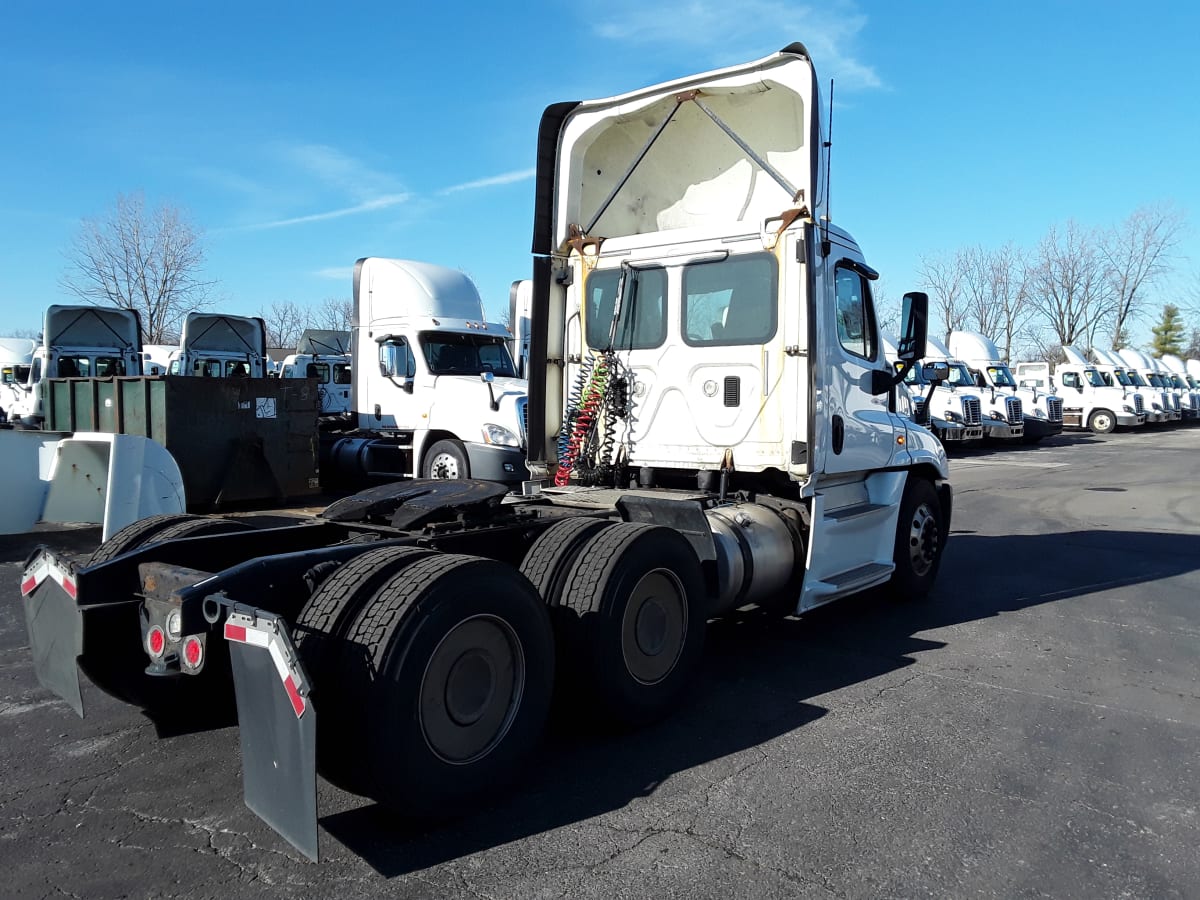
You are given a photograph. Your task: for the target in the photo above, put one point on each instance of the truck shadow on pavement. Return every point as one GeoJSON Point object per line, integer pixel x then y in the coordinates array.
{"type": "Point", "coordinates": [757, 682]}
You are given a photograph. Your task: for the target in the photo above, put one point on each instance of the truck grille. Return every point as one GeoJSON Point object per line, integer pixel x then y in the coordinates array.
{"type": "Point", "coordinates": [972, 411]}
{"type": "Point", "coordinates": [1139, 405]}
{"type": "Point", "coordinates": [1012, 405]}
{"type": "Point", "coordinates": [1174, 398]}
{"type": "Point", "coordinates": [523, 416]}
{"type": "Point", "coordinates": [1054, 409]}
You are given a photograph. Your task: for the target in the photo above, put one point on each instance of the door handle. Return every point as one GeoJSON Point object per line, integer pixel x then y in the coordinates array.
{"type": "Point", "coordinates": [839, 433]}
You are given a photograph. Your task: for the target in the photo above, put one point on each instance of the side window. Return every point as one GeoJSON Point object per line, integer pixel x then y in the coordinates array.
{"type": "Point", "coordinates": [288, 371]}
{"type": "Point", "coordinates": [853, 312]}
{"type": "Point", "coordinates": [730, 302]}
{"type": "Point", "coordinates": [643, 322]}
{"type": "Point", "coordinates": [319, 371]}
{"type": "Point", "coordinates": [36, 374]}
{"type": "Point", "coordinates": [174, 367]}
{"type": "Point", "coordinates": [341, 373]}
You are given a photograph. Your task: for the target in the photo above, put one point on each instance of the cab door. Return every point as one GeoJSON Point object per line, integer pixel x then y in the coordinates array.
{"type": "Point", "coordinates": [856, 426]}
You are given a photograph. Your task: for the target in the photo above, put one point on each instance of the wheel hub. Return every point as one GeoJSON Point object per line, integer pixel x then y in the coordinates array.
{"type": "Point", "coordinates": [923, 540]}
{"type": "Point", "coordinates": [654, 626]}
{"type": "Point", "coordinates": [472, 689]}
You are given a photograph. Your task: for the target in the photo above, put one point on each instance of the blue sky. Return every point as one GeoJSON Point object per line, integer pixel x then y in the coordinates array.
{"type": "Point", "coordinates": [303, 136]}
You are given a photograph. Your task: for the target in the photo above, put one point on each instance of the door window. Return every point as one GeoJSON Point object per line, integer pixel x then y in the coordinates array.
{"type": "Point", "coordinates": [854, 314]}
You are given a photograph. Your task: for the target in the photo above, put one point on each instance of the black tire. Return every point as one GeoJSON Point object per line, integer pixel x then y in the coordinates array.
{"type": "Point", "coordinates": [549, 560]}
{"type": "Point", "coordinates": [446, 459]}
{"type": "Point", "coordinates": [920, 540]}
{"type": "Point", "coordinates": [632, 621]}
{"type": "Point", "coordinates": [319, 635]}
{"type": "Point", "coordinates": [1101, 421]}
{"type": "Point", "coordinates": [200, 526]}
{"type": "Point", "coordinates": [135, 535]}
{"type": "Point", "coordinates": [478, 624]}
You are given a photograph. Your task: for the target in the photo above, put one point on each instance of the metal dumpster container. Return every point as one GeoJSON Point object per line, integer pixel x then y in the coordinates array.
{"type": "Point", "coordinates": [235, 439]}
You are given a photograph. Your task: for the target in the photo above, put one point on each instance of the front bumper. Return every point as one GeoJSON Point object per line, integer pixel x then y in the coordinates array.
{"type": "Point", "coordinates": [492, 463]}
{"type": "Point", "coordinates": [1127, 420]}
{"type": "Point", "coordinates": [1002, 430]}
{"type": "Point", "coordinates": [1040, 428]}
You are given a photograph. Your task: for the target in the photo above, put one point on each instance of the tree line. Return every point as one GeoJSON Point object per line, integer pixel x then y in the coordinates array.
{"type": "Point", "coordinates": [1079, 286]}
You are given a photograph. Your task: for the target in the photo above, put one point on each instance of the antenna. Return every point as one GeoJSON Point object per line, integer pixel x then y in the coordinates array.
{"type": "Point", "coordinates": [828, 145]}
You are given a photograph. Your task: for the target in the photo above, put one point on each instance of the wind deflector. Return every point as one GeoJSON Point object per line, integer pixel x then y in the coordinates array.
{"type": "Point", "coordinates": [324, 342]}
{"type": "Point", "coordinates": [223, 333]}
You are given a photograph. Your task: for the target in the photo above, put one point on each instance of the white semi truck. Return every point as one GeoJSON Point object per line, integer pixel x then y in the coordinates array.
{"type": "Point", "coordinates": [1116, 373]}
{"type": "Point", "coordinates": [219, 345]}
{"type": "Point", "coordinates": [1088, 402]}
{"type": "Point", "coordinates": [77, 342]}
{"type": "Point", "coordinates": [436, 392]}
{"type": "Point", "coordinates": [1146, 378]}
{"type": "Point", "coordinates": [1174, 371]}
{"type": "Point", "coordinates": [1002, 414]}
{"type": "Point", "coordinates": [947, 406]}
{"type": "Point", "coordinates": [16, 358]}
{"type": "Point", "coordinates": [324, 355]}
{"type": "Point", "coordinates": [1041, 408]}
{"type": "Point", "coordinates": [699, 326]}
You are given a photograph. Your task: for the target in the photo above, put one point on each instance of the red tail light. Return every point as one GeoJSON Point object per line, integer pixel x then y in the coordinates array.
{"type": "Point", "coordinates": [193, 652]}
{"type": "Point", "coordinates": [156, 642]}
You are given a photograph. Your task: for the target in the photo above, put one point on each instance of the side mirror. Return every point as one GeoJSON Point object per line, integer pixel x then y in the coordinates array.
{"type": "Point", "coordinates": [936, 372]}
{"type": "Point", "coordinates": [914, 319]}
{"type": "Point", "coordinates": [487, 377]}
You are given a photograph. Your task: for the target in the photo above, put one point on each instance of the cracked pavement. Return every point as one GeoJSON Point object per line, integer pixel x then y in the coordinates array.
{"type": "Point", "coordinates": [1032, 730]}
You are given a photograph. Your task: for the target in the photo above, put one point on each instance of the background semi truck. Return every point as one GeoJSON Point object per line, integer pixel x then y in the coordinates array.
{"type": "Point", "coordinates": [1002, 415]}
{"type": "Point", "coordinates": [712, 425]}
{"type": "Point", "coordinates": [78, 342]}
{"type": "Point", "coordinates": [219, 345]}
{"type": "Point", "coordinates": [947, 406]}
{"type": "Point", "coordinates": [1088, 402]}
{"type": "Point", "coordinates": [324, 355]}
{"type": "Point", "coordinates": [1042, 410]}
{"type": "Point", "coordinates": [436, 392]}
{"type": "Point", "coordinates": [16, 358]}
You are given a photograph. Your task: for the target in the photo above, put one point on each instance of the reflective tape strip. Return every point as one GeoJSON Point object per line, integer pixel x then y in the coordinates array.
{"type": "Point", "coordinates": [34, 576]}
{"type": "Point", "coordinates": [244, 634]}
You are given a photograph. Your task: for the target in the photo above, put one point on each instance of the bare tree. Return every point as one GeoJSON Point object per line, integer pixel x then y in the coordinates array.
{"type": "Point", "coordinates": [149, 261]}
{"type": "Point", "coordinates": [333, 314]}
{"type": "Point", "coordinates": [285, 322]}
{"type": "Point", "coordinates": [1136, 253]}
{"type": "Point", "coordinates": [1008, 283]}
{"type": "Point", "coordinates": [942, 277]}
{"type": "Point", "coordinates": [1067, 280]}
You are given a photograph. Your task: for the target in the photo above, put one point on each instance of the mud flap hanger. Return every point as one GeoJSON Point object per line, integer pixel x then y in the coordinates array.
{"type": "Point", "coordinates": [693, 96]}
{"type": "Point", "coordinates": [276, 720]}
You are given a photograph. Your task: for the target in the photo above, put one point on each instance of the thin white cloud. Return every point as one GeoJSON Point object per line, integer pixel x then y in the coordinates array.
{"type": "Point", "coordinates": [336, 273]}
{"type": "Point", "coordinates": [506, 178]}
{"type": "Point", "coordinates": [339, 170]}
{"type": "Point", "coordinates": [759, 27]}
{"type": "Point", "coordinates": [384, 202]}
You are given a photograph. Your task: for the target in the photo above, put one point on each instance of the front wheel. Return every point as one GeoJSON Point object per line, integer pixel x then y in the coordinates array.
{"type": "Point", "coordinates": [446, 459]}
{"type": "Point", "coordinates": [1102, 421]}
{"type": "Point", "coordinates": [920, 539]}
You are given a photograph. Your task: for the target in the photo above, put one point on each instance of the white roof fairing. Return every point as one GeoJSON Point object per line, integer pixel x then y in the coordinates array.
{"type": "Point", "coordinates": [693, 173]}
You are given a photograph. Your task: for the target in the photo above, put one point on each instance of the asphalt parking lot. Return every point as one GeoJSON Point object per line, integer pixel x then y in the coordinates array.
{"type": "Point", "coordinates": [1033, 729]}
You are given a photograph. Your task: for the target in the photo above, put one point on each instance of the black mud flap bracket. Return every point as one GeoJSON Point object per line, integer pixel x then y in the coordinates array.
{"type": "Point", "coordinates": [54, 623]}
{"type": "Point", "coordinates": [278, 725]}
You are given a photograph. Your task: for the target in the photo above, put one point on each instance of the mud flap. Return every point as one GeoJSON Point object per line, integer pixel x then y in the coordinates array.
{"type": "Point", "coordinates": [278, 726]}
{"type": "Point", "coordinates": [54, 623]}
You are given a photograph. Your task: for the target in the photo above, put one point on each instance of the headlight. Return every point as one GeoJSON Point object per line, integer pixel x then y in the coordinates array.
{"type": "Point", "coordinates": [1041, 414]}
{"type": "Point", "coordinates": [952, 416]}
{"type": "Point", "coordinates": [498, 434]}
{"type": "Point", "coordinates": [999, 417]}
{"type": "Point", "coordinates": [1127, 408]}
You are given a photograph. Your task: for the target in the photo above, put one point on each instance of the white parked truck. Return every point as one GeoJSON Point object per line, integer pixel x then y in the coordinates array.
{"type": "Point", "coordinates": [1144, 373]}
{"type": "Point", "coordinates": [78, 342]}
{"type": "Point", "coordinates": [1174, 372]}
{"type": "Point", "coordinates": [1041, 408]}
{"type": "Point", "coordinates": [1088, 402]}
{"type": "Point", "coordinates": [1116, 373]}
{"type": "Point", "coordinates": [1002, 414]}
{"type": "Point", "coordinates": [947, 406]}
{"type": "Point", "coordinates": [698, 325]}
{"type": "Point", "coordinates": [436, 393]}
{"type": "Point", "coordinates": [520, 305]}
{"type": "Point", "coordinates": [219, 345]}
{"type": "Point", "coordinates": [16, 358]}
{"type": "Point", "coordinates": [324, 355]}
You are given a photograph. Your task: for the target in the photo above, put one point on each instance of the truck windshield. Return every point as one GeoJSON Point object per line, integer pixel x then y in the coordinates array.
{"type": "Point", "coordinates": [1120, 375]}
{"type": "Point", "coordinates": [1135, 379]}
{"type": "Point", "coordinates": [341, 373]}
{"type": "Point", "coordinates": [959, 376]}
{"type": "Point", "coordinates": [1154, 380]}
{"type": "Point", "coordinates": [1001, 376]}
{"type": "Point", "coordinates": [16, 374]}
{"type": "Point", "coordinates": [466, 354]}
{"type": "Point", "coordinates": [1093, 378]}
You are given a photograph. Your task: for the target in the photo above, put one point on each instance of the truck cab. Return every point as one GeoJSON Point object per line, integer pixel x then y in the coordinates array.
{"type": "Point", "coordinates": [219, 345]}
{"type": "Point", "coordinates": [78, 342]}
{"type": "Point", "coordinates": [434, 375]}
{"type": "Point", "coordinates": [1088, 401]}
{"type": "Point", "coordinates": [1002, 416]}
{"type": "Point", "coordinates": [324, 355]}
{"type": "Point", "coordinates": [16, 357]}
{"type": "Point", "coordinates": [1042, 409]}
{"type": "Point", "coordinates": [949, 407]}
{"type": "Point", "coordinates": [1117, 375]}
{"type": "Point", "coordinates": [1145, 376]}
